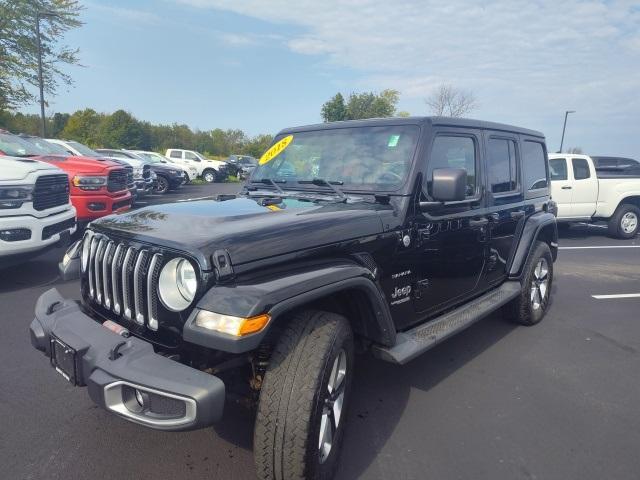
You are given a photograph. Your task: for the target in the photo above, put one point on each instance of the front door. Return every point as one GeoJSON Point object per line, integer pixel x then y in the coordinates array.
{"type": "Point", "coordinates": [451, 239]}
{"type": "Point", "coordinates": [561, 189]}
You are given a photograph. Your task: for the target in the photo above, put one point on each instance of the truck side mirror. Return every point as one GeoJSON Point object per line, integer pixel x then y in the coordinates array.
{"type": "Point", "coordinates": [449, 184]}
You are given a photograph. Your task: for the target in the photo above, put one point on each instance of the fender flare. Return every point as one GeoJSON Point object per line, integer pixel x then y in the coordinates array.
{"type": "Point", "coordinates": [533, 228]}
{"type": "Point", "coordinates": [278, 294]}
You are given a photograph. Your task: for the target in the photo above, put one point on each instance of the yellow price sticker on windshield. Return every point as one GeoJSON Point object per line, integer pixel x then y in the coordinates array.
{"type": "Point", "coordinates": [275, 149]}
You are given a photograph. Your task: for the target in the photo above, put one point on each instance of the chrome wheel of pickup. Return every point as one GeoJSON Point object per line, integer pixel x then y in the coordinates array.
{"type": "Point", "coordinates": [629, 222]}
{"type": "Point", "coordinates": [332, 409]}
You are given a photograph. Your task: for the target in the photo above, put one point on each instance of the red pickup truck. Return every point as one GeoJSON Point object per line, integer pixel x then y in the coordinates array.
{"type": "Point", "coordinates": [97, 187]}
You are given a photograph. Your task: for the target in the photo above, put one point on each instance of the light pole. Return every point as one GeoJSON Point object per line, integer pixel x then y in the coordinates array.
{"type": "Point", "coordinates": [566, 114]}
{"type": "Point", "coordinates": [39, 15]}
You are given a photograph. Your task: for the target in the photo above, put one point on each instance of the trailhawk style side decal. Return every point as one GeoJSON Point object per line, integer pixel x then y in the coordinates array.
{"type": "Point", "coordinates": [275, 150]}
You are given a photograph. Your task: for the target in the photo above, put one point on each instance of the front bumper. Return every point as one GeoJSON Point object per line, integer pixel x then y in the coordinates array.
{"type": "Point", "coordinates": [90, 207]}
{"type": "Point", "coordinates": [112, 367]}
{"type": "Point", "coordinates": [40, 231]}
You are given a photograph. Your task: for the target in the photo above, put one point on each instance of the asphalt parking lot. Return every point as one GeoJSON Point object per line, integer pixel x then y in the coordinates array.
{"type": "Point", "coordinates": [555, 401]}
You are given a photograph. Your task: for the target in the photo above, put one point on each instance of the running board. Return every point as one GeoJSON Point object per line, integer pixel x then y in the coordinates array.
{"type": "Point", "coordinates": [418, 340]}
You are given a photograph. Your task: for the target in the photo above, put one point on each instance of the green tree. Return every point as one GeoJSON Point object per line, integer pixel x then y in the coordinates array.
{"type": "Point", "coordinates": [257, 145]}
{"type": "Point", "coordinates": [361, 105]}
{"type": "Point", "coordinates": [122, 130]}
{"type": "Point", "coordinates": [82, 126]}
{"type": "Point", "coordinates": [57, 123]}
{"type": "Point", "coordinates": [335, 109]}
{"type": "Point", "coordinates": [19, 51]}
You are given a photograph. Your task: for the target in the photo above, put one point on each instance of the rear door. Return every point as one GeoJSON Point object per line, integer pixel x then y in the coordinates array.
{"type": "Point", "coordinates": [505, 201]}
{"type": "Point", "coordinates": [585, 188]}
{"type": "Point", "coordinates": [561, 186]}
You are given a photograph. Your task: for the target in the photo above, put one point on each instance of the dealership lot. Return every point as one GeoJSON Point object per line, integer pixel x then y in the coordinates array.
{"type": "Point", "coordinates": [559, 400]}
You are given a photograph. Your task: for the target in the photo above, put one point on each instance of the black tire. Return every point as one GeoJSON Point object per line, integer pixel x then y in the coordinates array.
{"type": "Point", "coordinates": [210, 175]}
{"type": "Point", "coordinates": [523, 309]}
{"type": "Point", "coordinates": [621, 224]}
{"type": "Point", "coordinates": [162, 185]}
{"type": "Point", "coordinates": [187, 180]}
{"type": "Point", "coordinates": [294, 396]}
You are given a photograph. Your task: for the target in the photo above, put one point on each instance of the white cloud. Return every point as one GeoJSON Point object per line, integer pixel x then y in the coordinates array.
{"type": "Point", "coordinates": [129, 14]}
{"type": "Point", "coordinates": [518, 56]}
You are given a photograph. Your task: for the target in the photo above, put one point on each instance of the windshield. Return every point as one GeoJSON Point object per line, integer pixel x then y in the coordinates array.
{"type": "Point", "coordinates": [150, 157]}
{"type": "Point", "coordinates": [84, 150]}
{"type": "Point", "coordinates": [50, 148]}
{"type": "Point", "coordinates": [361, 158]}
{"type": "Point", "coordinates": [18, 147]}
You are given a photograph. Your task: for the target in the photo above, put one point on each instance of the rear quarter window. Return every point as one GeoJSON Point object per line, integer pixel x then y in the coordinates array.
{"type": "Point", "coordinates": [534, 166]}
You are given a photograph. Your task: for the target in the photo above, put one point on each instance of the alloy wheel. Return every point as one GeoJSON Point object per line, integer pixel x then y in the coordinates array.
{"type": "Point", "coordinates": [333, 403]}
{"type": "Point", "coordinates": [209, 177]}
{"type": "Point", "coordinates": [540, 284]}
{"type": "Point", "coordinates": [629, 222]}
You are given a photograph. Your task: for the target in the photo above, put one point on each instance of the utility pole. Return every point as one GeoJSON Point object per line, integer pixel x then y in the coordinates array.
{"type": "Point", "coordinates": [40, 15]}
{"type": "Point", "coordinates": [566, 114]}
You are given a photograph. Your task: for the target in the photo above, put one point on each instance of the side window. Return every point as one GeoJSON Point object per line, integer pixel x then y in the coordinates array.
{"type": "Point", "coordinates": [176, 154]}
{"type": "Point", "coordinates": [453, 152]}
{"type": "Point", "coordinates": [580, 168]}
{"type": "Point", "coordinates": [534, 163]}
{"type": "Point", "coordinates": [191, 156]}
{"type": "Point", "coordinates": [558, 168]}
{"type": "Point", "coordinates": [502, 165]}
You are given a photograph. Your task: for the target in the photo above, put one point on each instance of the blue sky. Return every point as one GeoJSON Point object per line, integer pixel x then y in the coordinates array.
{"type": "Point", "coordinates": [263, 65]}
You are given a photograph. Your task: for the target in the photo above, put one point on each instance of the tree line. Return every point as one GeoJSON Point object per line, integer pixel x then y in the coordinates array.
{"type": "Point", "coordinates": [120, 129]}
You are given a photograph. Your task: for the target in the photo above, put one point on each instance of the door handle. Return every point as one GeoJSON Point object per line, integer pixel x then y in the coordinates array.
{"type": "Point", "coordinates": [480, 222]}
{"type": "Point", "coordinates": [566, 187]}
{"type": "Point", "coordinates": [517, 214]}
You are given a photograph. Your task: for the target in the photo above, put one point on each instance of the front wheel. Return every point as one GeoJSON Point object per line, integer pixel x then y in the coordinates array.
{"type": "Point", "coordinates": [162, 185]}
{"type": "Point", "coordinates": [537, 277]}
{"type": "Point", "coordinates": [210, 176]}
{"type": "Point", "coordinates": [625, 222]}
{"type": "Point", "coordinates": [305, 393]}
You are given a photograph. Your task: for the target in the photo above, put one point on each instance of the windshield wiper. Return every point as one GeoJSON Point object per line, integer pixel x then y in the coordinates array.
{"type": "Point", "coordinates": [272, 182]}
{"type": "Point", "coordinates": [321, 182]}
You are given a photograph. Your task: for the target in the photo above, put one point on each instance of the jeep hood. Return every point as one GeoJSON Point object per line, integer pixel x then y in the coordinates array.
{"type": "Point", "coordinates": [243, 227]}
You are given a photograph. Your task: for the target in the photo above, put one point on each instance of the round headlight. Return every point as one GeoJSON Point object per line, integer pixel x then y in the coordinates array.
{"type": "Point", "coordinates": [86, 246]}
{"type": "Point", "coordinates": [177, 284]}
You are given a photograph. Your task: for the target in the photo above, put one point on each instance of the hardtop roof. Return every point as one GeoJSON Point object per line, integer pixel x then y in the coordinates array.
{"type": "Point", "coordinates": [429, 121]}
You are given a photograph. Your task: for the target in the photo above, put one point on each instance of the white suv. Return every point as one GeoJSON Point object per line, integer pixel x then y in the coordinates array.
{"type": "Point", "coordinates": [210, 170]}
{"type": "Point", "coordinates": [35, 210]}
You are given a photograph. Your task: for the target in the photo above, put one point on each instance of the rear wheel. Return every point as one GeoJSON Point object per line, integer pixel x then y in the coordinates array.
{"type": "Point", "coordinates": [537, 277]}
{"type": "Point", "coordinates": [210, 175]}
{"type": "Point", "coordinates": [162, 185]}
{"type": "Point", "coordinates": [625, 221]}
{"type": "Point", "coordinates": [306, 390]}
{"type": "Point", "coordinates": [185, 175]}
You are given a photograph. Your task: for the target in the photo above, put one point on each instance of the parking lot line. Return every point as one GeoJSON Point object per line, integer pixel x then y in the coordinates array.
{"type": "Point", "coordinates": [599, 247]}
{"type": "Point", "coordinates": [621, 295]}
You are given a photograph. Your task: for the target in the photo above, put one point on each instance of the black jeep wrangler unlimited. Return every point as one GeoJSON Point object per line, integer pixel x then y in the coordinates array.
{"type": "Point", "coordinates": [385, 235]}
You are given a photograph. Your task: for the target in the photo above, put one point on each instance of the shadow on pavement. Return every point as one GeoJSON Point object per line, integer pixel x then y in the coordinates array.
{"type": "Point", "coordinates": [39, 271]}
{"type": "Point", "coordinates": [382, 390]}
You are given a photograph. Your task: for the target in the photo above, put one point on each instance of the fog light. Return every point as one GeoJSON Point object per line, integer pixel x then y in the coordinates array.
{"type": "Point", "coordinates": [94, 206]}
{"type": "Point", "coordinates": [142, 398]}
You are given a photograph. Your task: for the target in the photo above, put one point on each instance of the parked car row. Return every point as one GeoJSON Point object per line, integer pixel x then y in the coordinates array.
{"type": "Point", "coordinates": [50, 188]}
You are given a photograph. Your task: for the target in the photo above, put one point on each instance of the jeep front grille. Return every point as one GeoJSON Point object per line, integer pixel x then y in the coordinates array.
{"type": "Point", "coordinates": [124, 279]}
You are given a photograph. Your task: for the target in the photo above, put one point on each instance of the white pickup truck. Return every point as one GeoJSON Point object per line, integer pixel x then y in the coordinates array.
{"type": "Point", "coordinates": [35, 211]}
{"type": "Point", "coordinates": [584, 194]}
{"type": "Point", "coordinates": [210, 170]}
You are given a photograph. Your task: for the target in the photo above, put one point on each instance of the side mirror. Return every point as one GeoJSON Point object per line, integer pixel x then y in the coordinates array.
{"type": "Point", "coordinates": [449, 184]}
